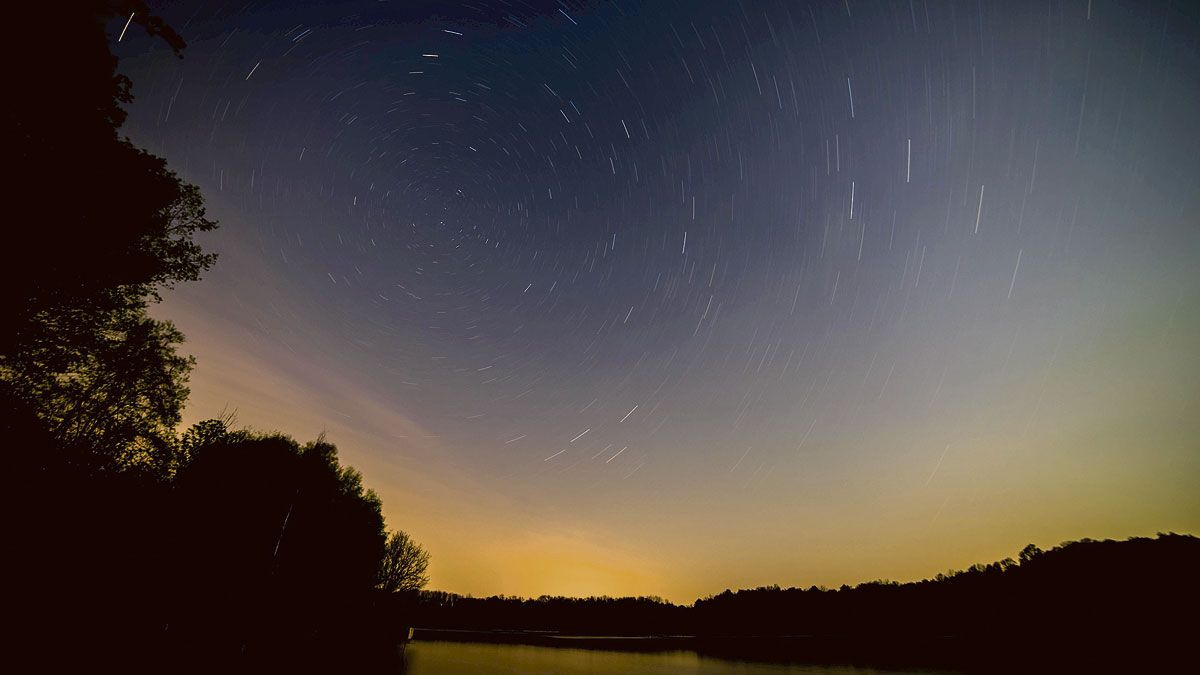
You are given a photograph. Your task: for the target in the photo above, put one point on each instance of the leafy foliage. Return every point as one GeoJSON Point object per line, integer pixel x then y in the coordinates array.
{"type": "Point", "coordinates": [114, 396]}
{"type": "Point", "coordinates": [143, 549]}
{"type": "Point", "coordinates": [101, 227]}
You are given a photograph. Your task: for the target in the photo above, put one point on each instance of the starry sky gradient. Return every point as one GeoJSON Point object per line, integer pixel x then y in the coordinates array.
{"type": "Point", "coordinates": [668, 297]}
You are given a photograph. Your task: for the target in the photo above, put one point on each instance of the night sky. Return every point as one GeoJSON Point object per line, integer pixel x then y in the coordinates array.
{"type": "Point", "coordinates": [668, 297]}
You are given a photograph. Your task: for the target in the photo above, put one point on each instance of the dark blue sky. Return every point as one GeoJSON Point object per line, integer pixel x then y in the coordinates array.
{"type": "Point", "coordinates": [808, 291]}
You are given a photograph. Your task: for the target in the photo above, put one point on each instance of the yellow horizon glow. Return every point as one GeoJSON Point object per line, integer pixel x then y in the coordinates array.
{"type": "Point", "coordinates": [995, 489]}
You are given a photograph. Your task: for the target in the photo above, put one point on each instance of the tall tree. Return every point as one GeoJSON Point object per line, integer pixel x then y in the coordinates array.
{"type": "Point", "coordinates": [97, 228]}
{"type": "Point", "coordinates": [404, 564]}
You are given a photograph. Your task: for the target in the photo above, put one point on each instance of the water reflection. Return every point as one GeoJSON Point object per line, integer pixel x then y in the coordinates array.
{"type": "Point", "coordinates": [446, 658]}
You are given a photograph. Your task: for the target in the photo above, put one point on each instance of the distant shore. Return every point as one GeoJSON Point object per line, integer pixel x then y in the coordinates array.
{"type": "Point", "coordinates": [554, 639]}
{"type": "Point", "coordinates": [1099, 606]}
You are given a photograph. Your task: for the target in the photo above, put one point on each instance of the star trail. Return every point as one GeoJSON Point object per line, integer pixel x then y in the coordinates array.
{"type": "Point", "coordinates": [668, 297]}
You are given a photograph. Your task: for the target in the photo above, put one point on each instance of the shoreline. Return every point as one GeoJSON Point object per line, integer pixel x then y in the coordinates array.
{"type": "Point", "coordinates": [555, 639]}
{"type": "Point", "coordinates": [948, 652]}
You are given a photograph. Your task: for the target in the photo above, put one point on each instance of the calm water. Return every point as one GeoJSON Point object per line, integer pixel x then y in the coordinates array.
{"type": "Point", "coordinates": [457, 658]}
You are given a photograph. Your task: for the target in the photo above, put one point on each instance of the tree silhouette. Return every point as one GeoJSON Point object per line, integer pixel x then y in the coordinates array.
{"type": "Point", "coordinates": [279, 546]}
{"type": "Point", "coordinates": [404, 564]}
{"type": "Point", "coordinates": [1029, 553]}
{"type": "Point", "coordinates": [98, 228]}
{"type": "Point", "coordinates": [119, 400]}
{"type": "Point", "coordinates": [138, 549]}
{"type": "Point", "coordinates": [290, 511]}
{"type": "Point", "coordinates": [1107, 606]}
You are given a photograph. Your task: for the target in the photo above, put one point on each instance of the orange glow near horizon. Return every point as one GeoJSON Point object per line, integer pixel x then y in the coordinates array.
{"type": "Point", "coordinates": [695, 297]}
{"type": "Point", "coordinates": [908, 513]}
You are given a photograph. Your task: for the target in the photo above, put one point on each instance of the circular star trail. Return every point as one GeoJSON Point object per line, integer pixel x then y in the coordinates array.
{"type": "Point", "coordinates": [792, 288]}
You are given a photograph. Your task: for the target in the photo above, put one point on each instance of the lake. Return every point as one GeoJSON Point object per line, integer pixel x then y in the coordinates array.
{"type": "Point", "coordinates": [455, 658]}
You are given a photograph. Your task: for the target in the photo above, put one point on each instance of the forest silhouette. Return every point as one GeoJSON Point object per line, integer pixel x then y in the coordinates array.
{"type": "Point", "coordinates": [1101, 606]}
{"type": "Point", "coordinates": [142, 546]}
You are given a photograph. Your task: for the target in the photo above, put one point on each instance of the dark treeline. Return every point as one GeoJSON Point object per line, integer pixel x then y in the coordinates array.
{"type": "Point", "coordinates": [570, 616]}
{"type": "Point", "coordinates": [1098, 602]}
{"type": "Point", "coordinates": [135, 546]}
{"type": "Point", "coordinates": [259, 553]}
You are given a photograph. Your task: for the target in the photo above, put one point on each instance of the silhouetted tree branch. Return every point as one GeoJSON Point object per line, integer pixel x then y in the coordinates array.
{"type": "Point", "coordinates": [404, 564]}
{"type": "Point", "coordinates": [99, 227]}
